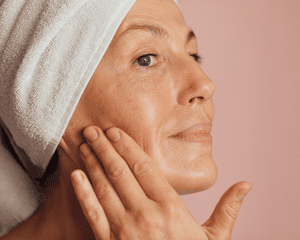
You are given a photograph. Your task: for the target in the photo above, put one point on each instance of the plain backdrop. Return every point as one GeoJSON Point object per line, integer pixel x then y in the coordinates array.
{"type": "Point", "coordinates": [251, 50]}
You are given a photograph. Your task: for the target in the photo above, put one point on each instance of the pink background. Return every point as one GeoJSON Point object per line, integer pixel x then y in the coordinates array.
{"type": "Point", "coordinates": [251, 50]}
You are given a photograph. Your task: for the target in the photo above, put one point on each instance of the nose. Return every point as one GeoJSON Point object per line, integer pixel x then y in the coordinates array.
{"type": "Point", "coordinates": [195, 86]}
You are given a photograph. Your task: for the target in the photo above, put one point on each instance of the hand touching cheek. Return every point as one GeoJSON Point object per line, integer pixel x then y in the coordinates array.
{"type": "Point", "coordinates": [131, 199]}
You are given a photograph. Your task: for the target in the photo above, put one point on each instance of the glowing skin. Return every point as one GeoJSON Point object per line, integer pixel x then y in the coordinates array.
{"type": "Point", "coordinates": [152, 103]}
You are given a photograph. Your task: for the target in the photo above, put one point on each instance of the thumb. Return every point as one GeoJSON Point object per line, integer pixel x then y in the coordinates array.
{"type": "Point", "coordinates": [221, 222]}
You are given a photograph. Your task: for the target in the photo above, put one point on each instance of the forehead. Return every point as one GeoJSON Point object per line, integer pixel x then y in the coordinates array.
{"type": "Point", "coordinates": [161, 12]}
{"type": "Point", "coordinates": [162, 17]}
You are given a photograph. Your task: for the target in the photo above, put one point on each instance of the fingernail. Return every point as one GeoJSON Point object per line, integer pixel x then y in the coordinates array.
{"type": "Point", "coordinates": [90, 134]}
{"type": "Point", "coordinates": [113, 134]}
{"type": "Point", "coordinates": [242, 194]}
{"type": "Point", "coordinates": [77, 177]}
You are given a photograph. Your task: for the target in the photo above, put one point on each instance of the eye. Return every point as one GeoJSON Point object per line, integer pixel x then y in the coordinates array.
{"type": "Point", "coordinates": [146, 60]}
{"type": "Point", "coordinates": [196, 57]}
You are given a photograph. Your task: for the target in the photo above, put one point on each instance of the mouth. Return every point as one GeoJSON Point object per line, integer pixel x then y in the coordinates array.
{"type": "Point", "coordinates": [199, 133]}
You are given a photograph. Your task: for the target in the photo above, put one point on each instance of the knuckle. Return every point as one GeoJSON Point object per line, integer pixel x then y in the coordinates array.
{"type": "Point", "coordinates": [173, 210]}
{"type": "Point", "coordinates": [154, 224]}
{"type": "Point", "coordinates": [93, 214]}
{"type": "Point", "coordinates": [102, 190]}
{"type": "Point", "coordinates": [99, 147]}
{"type": "Point", "coordinates": [125, 149]}
{"type": "Point", "coordinates": [171, 195]}
{"type": "Point", "coordinates": [116, 172]}
{"type": "Point", "coordinates": [232, 210]}
{"type": "Point", "coordinates": [92, 166]}
{"type": "Point", "coordinates": [150, 219]}
{"type": "Point", "coordinates": [142, 167]}
{"type": "Point", "coordinates": [83, 195]}
{"type": "Point", "coordinates": [124, 230]}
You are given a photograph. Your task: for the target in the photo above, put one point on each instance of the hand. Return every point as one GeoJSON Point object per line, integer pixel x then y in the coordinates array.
{"type": "Point", "coordinates": [130, 198]}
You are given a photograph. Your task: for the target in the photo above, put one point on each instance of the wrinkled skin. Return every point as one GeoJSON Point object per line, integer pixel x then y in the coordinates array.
{"type": "Point", "coordinates": [137, 180]}
{"type": "Point", "coordinates": [153, 102]}
{"type": "Point", "coordinates": [134, 188]}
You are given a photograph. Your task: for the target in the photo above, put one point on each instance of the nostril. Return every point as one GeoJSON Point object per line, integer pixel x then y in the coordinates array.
{"type": "Point", "coordinates": [196, 98]}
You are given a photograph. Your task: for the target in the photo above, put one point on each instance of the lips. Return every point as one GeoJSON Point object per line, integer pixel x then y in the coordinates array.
{"type": "Point", "coordinates": [199, 132]}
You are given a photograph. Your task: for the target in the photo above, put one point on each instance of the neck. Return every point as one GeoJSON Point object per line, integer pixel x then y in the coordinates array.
{"type": "Point", "coordinates": [62, 208]}
{"type": "Point", "coordinates": [60, 215]}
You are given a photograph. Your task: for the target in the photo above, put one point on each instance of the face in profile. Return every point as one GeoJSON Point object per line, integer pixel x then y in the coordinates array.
{"type": "Point", "coordinates": [149, 83]}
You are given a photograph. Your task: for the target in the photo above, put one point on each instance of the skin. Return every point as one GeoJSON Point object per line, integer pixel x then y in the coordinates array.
{"type": "Point", "coordinates": [152, 103]}
{"type": "Point", "coordinates": [148, 105]}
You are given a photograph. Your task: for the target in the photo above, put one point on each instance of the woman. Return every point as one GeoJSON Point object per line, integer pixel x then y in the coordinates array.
{"type": "Point", "coordinates": [150, 89]}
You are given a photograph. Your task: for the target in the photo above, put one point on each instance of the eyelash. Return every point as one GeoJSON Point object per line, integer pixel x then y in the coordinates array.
{"type": "Point", "coordinates": [195, 55]}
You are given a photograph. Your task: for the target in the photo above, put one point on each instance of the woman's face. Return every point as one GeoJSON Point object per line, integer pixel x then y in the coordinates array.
{"type": "Point", "coordinates": [158, 95]}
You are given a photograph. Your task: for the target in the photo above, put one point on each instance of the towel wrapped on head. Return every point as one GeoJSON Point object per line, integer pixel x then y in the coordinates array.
{"type": "Point", "coordinates": [49, 50]}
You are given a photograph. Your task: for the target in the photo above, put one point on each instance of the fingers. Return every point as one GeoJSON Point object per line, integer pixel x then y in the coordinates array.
{"type": "Point", "coordinates": [149, 177]}
{"type": "Point", "coordinates": [129, 168]}
{"type": "Point", "coordinates": [223, 218]}
{"type": "Point", "coordinates": [118, 174]}
{"type": "Point", "coordinates": [103, 188]}
{"type": "Point", "coordinates": [90, 205]}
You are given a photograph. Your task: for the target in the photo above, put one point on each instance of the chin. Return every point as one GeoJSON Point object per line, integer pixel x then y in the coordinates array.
{"type": "Point", "coordinates": [195, 179]}
{"type": "Point", "coordinates": [188, 167]}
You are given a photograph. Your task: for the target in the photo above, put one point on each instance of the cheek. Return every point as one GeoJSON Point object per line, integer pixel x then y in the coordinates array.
{"type": "Point", "coordinates": [143, 110]}
{"type": "Point", "coordinates": [148, 97]}
{"type": "Point", "coordinates": [136, 104]}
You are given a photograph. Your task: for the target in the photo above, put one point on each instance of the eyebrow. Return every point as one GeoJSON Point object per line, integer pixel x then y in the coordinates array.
{"type": "Point", "coordinates": [156, 30]}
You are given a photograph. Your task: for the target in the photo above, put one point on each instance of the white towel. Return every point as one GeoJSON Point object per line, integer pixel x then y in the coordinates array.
{"type": "Point", "coordinates": [18, 196]}
{"type": "Point", "coordinates": [49, 50]}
